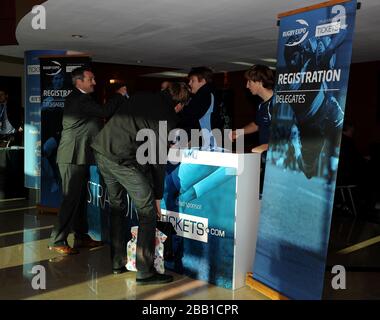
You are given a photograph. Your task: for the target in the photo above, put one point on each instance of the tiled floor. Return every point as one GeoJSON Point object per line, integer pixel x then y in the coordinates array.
{"type": "Point", "coordinates": [355, 244]}
{"type": "Point", "coordinates": [23, 244]}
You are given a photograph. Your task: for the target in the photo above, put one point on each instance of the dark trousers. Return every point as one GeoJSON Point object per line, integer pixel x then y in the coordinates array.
{"type": "Point", "coordinates": [137, 181]}
{"type": "Point", "coordinates": [72, 216]}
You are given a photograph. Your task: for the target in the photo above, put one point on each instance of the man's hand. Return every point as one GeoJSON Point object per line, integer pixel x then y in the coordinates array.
{"type": "Point", "coordinates": [233, 135]}
{"type": "Point", "coordinates": [260, 149]}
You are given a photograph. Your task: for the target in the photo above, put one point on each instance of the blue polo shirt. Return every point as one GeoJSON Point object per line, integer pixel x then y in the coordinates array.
{"type": "Point", "coordinates": [263, 119]}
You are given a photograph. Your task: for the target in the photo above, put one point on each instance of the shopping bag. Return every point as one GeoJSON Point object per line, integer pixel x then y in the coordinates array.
{"type": "Point", "coordinates": [158, 254]}
{"type": "Point", "coordinates": [168, 229]}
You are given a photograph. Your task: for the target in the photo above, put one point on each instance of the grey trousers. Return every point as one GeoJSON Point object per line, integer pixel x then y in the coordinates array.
{"type": "Point", "coordinates": [137, 181]}
{"type": "Point", "coordinates": [72, 215]}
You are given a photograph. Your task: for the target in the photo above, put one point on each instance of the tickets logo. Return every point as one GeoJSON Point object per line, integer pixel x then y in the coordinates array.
{"type": "Point", "coordinates": [188, 226]}
{"type": "Point", "coordinates": [327, 29]}
{"type": "Point", "coordinates": [34, 69]}
{"type": "Point", "coordinates": [191, 227]}
{"type": "Point", "coordinates": [69, 69]}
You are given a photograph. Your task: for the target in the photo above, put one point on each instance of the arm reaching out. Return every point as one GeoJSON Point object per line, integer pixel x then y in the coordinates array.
{"type": "Point", "coordinates": [249, 128]}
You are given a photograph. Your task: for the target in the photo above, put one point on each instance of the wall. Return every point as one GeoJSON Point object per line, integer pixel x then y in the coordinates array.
{"type": "Point", "coordinates": [363, 103]}
{"type": "Point", "coordinates": [131, 75]}
{"type": "Point", "coordinates": [13, 67]}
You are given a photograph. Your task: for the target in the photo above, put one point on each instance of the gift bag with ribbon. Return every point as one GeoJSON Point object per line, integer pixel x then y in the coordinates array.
{"type": "Point", "coordinates": [168, 229]}
{"type": "Point", "coordinates": [158, 254]}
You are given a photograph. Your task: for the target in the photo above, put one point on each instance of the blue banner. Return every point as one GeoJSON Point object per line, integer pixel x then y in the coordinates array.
{"type": "Point", "coordinates": [98, 211]}
{"type": "Point", "coordinates": [32, 128]}
{"type": "Point", "coordinates": [56, 85]}
{"type": "Point", "coordinates": [314, 56]}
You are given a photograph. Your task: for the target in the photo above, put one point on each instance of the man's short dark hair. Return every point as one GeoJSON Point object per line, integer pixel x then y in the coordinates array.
{"type": "Point", "coordinates": [201, 73]}
{"type": "Point", "coordinates": [3, 89]}
{"type": "Point", "coordinates": [78, 73]}
{"type": "Point", "coordinates": [179, 91]}
{"type": "Point", "coordinates": [116, 86]}
{"type": "Point", "coordinates": [259, 72]}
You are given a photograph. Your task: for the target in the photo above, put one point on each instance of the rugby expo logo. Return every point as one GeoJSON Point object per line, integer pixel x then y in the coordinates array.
{"type": "Point", "coordinates": [53, 68]}
{"type": "Point", "coordinates": [299, 34]}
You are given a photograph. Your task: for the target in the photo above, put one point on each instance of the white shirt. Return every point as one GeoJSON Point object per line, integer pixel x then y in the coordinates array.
{"type": "Point", "coordinates": [5, 126]}
{"type": "Point", "coordinates": [82, 90]}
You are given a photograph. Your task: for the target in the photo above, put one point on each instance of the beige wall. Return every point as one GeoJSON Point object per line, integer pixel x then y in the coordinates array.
{"type": "Point", "coordinates": [11, 69]}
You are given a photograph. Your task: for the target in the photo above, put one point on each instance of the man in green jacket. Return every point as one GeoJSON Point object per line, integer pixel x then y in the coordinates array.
{"type": "Point", "coordinates": [118, 150]}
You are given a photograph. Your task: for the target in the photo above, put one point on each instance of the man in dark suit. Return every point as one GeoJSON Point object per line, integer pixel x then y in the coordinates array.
{"type": "Point", "coordinates": [125, 167]}
{"type": "Point", "coordinates": [11, 120]}
{"type": "Point", "coordinates": [82, 120]}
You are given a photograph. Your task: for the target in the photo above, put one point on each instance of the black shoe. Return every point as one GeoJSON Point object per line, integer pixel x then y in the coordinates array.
{"type": "Point", "coordinates": [119, 270]}
{"type": "Point", "coordinates": [155, 279]}
{"type": "Point", "coordinates": [86, 242]}
{"type": "Point", "coordinates": [64, 250]}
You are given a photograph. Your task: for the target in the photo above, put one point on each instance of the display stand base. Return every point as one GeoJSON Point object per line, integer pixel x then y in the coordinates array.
{"type": "Point", "coordinates": [43, 210]}
{"type": "Point", "coordinates": [263, 289]}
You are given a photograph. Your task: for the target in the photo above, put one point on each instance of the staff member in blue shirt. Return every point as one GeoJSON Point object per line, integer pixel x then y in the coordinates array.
{"type": "Point", "coordinates": [260, 81]}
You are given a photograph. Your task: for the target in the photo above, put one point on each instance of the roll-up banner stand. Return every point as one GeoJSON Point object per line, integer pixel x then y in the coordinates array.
{"type": "Point", "coordinates": [56, 85]}
{"type": "Point", "coordinates": [32, 129]}
{"type": "Point", "coordinates": [313, 63]}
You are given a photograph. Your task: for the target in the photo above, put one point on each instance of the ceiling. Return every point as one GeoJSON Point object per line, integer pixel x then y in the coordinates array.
{"type": "Point", "coordinates": [178, 33]}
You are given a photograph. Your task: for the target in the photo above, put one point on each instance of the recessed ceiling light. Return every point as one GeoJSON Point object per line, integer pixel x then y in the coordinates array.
{"type": "Point", "coordinates": [166, 74]}
{"type": "Point", "coordinates": [242, 63]}
{"type": "Point", "coordinates": [77, 36]}
{"type": "Point", "coordinates": [270, 60]}
{"type": "Point", "coordinates": [112, 80]}
{"type": "Point", "coordinates": [138, 61]}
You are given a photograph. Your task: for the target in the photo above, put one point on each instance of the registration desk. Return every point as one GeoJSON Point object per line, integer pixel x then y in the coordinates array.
{"type": "Point", "coordinates": [212, 200]}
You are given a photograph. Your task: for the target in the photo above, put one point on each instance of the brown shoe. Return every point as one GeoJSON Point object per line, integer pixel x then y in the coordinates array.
{"type": "Point", "coordinates": [65, 250]}
{"type": "Point", "coordinates": [87, 242]}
